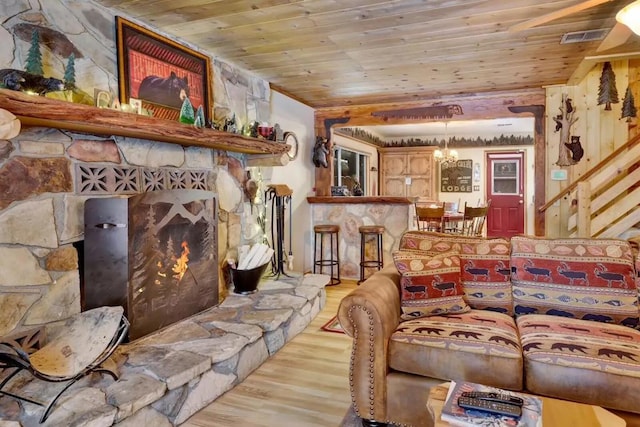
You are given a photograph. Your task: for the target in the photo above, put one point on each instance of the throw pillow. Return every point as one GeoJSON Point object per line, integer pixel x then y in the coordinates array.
{"type": "Point", "coordinates": [590, 279]}
{"type": "Point", "coordinates": [485, 269]}
{"type": "Point", "coordinates": [430, 285]}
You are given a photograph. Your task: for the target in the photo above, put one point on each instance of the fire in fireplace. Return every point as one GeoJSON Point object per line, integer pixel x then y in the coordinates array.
{"type": "Point", "coordinates": [155, 254]}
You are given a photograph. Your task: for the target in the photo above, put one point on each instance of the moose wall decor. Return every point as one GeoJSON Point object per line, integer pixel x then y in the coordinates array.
{"type": "Point", "coordinates": [321, 152]}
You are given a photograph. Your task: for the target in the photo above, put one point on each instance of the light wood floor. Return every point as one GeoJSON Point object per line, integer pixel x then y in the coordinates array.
{"type": "Point", "coordinates": [306, 383]}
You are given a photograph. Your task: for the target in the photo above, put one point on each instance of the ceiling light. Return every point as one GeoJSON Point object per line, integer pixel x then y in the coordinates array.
{"type": "Point", "coordinates": [630, 16]}
{"type": "Point", "coordinates": [446, 155]}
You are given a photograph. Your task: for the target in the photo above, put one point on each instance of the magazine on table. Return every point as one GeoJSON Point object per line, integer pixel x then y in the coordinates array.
{"type": "Point", "coordinates": [457, 416]}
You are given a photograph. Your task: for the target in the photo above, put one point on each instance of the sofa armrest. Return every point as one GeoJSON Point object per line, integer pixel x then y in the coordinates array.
{"type": "Point", "coordinates": [370, 314]}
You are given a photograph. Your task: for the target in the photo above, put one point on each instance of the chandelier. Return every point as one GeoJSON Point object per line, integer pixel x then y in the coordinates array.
{"type": "Point", "coordinates": [446, 155]}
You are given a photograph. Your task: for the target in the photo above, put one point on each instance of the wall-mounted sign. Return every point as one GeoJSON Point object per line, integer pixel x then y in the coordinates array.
{"type": "Point", "coordinates": [455, 177]}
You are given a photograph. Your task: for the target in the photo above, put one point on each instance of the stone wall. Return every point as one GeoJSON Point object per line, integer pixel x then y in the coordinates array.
{"type": "Point", "coordinates": [46, 175]}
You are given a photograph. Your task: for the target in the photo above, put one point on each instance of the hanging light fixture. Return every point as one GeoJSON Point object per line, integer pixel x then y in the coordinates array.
{"type": "Point", "coordinates": [446, 155]}
{"type": "Point", "coordinates": [630, 16]}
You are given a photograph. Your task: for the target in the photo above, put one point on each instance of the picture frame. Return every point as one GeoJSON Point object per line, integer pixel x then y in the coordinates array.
{"type": "Point", "coordinates": [136, 105]}
{"type": "Point", "coordinates": [455, 177]}
{"type": "Point", "coordinates": [160, 72]}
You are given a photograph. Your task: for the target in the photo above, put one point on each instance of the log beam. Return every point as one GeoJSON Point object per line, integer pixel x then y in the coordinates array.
{"type": "Point", "coordinates": [35, 110]}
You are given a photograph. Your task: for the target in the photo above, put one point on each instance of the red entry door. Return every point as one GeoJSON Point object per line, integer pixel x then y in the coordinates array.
{"type": "Point", "coordinates": [505, 190]}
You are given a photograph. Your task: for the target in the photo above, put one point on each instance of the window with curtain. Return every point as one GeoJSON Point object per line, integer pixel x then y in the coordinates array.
{"type": "Point", "coordinates": [350, 169]}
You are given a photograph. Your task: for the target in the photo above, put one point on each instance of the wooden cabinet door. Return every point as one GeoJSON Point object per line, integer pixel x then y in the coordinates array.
{"type": "Point", "coordinates": [419, 164]}
{"type": "Point", "coordinates": [400, 164]}
{"type": "Point", "coordinates": [394, 186]}
{"type": "Point", "coordinates": [420, 187]}
{"type": "Point", "coordinates": [394, 164]}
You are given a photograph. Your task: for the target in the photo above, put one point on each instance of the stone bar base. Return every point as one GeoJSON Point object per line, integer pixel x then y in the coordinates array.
{"type": "Point", "coordinates": [394, 213]}
{"type": "Point", "coordinates": [168, 376]}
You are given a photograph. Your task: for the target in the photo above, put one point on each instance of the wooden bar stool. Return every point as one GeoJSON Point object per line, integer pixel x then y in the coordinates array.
{"type": "Point", "coordinates": [370, 232]}
{"type": "Point", "coordinates": [319, 260]}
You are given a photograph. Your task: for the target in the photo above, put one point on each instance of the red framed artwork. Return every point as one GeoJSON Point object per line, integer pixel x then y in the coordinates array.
{"type": "Point", "coordinates": [161, 72]}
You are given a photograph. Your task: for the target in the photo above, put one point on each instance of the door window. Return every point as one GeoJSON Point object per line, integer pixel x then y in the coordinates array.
{"type": "Point", "coordinates": [506, 177]}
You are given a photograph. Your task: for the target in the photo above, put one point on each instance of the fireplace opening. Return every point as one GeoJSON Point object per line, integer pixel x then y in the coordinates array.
{"type": "Point", "coordinates": [155, 254]}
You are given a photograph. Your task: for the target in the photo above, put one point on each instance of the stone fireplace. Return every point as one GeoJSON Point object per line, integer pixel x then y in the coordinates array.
{"type": "Point", "coordinates": [67, 153]}
{"type": "Point", "coordinates": [155, 254]}
{"type": "Point", "coordinates": [48, 180]}
{"type": "Point", "coordinates": [47, 175]}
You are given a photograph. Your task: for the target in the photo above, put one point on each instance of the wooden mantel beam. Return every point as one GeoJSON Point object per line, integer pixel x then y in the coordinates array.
{"type": "Point", "coordinates": [41, 111]}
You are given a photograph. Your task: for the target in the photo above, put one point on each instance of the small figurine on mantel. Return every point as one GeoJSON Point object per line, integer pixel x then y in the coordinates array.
{"type": "Point", "coordinates": [186, 112]}
{"type": "Point", "coordinates": [24, 81]}
{"type": "Point", "coordinates": [230, 124]}
{"type": "Point", "coordinates": [278, 133]}
{"type": "Point", "coordinates": [199, 120]}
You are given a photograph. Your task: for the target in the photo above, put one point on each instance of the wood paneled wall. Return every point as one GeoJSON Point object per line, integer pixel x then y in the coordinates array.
{"type": "Point", "coordinates": [634, 84]}
{"type": "Point", "coordinates": [600, 131]}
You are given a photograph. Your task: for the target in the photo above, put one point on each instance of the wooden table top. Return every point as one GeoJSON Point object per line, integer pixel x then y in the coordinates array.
{"type": "Point", "coordinates": [555, 412]}
{"type": "Point", "coordinates": [381, 200]}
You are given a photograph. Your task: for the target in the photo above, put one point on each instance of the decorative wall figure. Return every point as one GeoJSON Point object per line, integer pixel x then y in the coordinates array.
{"type": "Point", "coordinates": [320, 152]}
{"type": "Point", "coordinates": [457, 141]}
{"type": "Point", "coordinates": [432, 112]}
{"type": "Point", "coordinates": [607, 92]}
{"type": "Point", "coordinates": [70, 72]}
{"type": "Point", "coordinates": [575, 148]}
{"type": "Point", "coordinates": [629, 109]}
{"type": "Point", "coordinates": [564, 121]}
{"type": "Point", "coordinates": [33, 64]}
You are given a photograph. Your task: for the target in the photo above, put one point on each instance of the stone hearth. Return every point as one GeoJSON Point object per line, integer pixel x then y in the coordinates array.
{"type": "Point", "coordinates": [168, 376]}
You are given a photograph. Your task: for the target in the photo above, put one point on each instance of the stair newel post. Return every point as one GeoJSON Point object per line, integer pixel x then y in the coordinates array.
{"type": "Point", "coordinates": [584, 209]}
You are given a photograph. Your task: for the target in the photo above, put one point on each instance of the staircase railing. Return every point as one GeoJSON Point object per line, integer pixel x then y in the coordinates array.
{"type": "Point", "coordinates": [608, 194]}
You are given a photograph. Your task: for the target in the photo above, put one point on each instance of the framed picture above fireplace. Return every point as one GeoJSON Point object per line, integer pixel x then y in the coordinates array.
{"type": "Point", "coordinates": [161, 72]}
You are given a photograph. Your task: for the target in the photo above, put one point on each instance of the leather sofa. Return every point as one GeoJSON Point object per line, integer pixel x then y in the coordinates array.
{"type": "Point", "coordinates": [552, 317]}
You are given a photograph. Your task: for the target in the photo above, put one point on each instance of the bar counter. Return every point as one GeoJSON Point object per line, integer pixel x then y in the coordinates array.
{"type": "Point", "coordinates": [377, 200]}
{"type": "Point", "coordinates": [350, 212]}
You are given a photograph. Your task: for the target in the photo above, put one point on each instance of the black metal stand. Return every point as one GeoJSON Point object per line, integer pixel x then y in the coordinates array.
{"type": "Point", "coordinates": [279, 195]}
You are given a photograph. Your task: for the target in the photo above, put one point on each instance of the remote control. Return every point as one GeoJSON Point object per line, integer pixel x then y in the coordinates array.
{"type": "Point", "coordinates": [490, 406]}
{"type": "Point", "coordinates": [494, 397]}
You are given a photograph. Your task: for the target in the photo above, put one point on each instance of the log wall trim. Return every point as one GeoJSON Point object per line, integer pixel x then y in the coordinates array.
{"type": "Point", "coordinates": [493, 105]}
{"type": "Point", "coordinates": [35, 110]}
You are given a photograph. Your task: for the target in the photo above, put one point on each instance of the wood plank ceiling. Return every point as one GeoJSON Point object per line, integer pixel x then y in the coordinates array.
{"type": "Point", "coordinates": [350, 52]}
